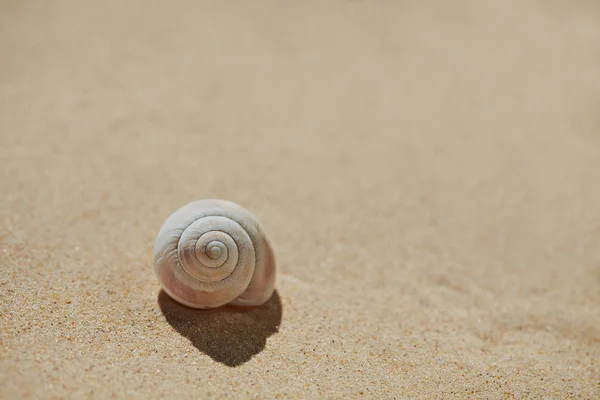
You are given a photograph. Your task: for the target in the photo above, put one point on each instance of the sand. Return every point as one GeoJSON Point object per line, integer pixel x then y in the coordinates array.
{"type": "Point", "coordinates": [429, 174]}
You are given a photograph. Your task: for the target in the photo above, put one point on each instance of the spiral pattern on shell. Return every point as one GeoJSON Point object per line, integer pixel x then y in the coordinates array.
{"type": "Point", "coordinates": [213, 252]}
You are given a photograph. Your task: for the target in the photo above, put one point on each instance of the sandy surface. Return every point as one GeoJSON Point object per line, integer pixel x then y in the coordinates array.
{"type": "Point", "coordinates": [429, 173]}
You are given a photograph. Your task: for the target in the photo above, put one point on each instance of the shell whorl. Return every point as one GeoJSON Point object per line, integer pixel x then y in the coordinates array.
{"type": "Point", "coordinates": [213, 252]}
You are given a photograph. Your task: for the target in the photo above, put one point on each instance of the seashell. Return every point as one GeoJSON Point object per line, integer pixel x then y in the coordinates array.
{"type": "Point", "coordinates": [214, 252]}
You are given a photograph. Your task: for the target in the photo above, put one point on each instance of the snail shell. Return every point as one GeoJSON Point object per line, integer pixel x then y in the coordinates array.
{"type": "Point", "coordinates": [213, 252]}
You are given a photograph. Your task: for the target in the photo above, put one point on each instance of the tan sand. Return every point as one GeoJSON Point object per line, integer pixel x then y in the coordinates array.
{"type": "Point", "coordinates": [429, 173]}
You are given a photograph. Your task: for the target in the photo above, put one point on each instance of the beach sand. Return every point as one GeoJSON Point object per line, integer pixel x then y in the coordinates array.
{"type": "Point", "coordinates": [428, 172]}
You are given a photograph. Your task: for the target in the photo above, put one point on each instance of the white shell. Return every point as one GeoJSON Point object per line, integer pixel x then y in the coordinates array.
{"type": "Point", "coordinates": [213, 252]}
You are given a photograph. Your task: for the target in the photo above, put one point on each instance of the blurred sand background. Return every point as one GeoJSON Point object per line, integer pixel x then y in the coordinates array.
{"type": "Point", "coordinates": [429, 173]}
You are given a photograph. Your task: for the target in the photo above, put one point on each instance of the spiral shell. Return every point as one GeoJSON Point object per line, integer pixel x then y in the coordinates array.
{"type": "Point", "coordinates": [213, 252]}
